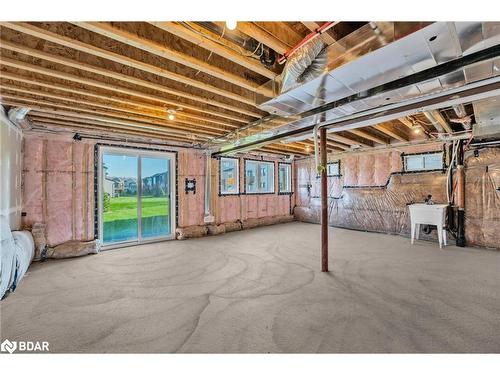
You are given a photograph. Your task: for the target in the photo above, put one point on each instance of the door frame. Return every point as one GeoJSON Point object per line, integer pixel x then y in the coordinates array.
{"type": "Point", "coordinates": [138, 152]}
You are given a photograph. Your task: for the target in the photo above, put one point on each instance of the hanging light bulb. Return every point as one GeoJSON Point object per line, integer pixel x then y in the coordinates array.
{"type": "Point", "coordinates": [308, 149]}
{"type": "Point", "coordinates": [416, 129]}
{"type": "Point", "coordinates": [231, 25]}
{"type": "Point", "coordinates": [171, 114]}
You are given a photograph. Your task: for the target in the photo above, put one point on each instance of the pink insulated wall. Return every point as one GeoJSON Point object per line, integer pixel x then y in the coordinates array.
{"type": "Point", "coordinates": [58, 189]}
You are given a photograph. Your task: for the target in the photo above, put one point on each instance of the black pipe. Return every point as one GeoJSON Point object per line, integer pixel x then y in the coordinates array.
{"type": "Point", "coordinates": [461, 206]}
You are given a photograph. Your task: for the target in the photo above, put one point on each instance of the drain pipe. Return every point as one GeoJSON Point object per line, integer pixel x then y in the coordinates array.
{"type": "Point", "coordinates": [460, 195]}
{"type": "Point", "coordinates": [208, 218]}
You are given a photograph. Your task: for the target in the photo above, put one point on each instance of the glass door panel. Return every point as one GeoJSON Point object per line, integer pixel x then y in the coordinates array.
{"type": "Point", "coordinates": [119, 198]}
{"type": "Point", "coordinates": [155, 197]}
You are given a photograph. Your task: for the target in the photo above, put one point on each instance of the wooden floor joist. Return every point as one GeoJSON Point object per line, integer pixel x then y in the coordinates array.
{"type": "Point", "coordinates": [264, 37]}
{"type": "Point", "coordinates": [221, 47]}
{"type": "Point", "coordinates": [118, 76]}
{"type": "Point", "coordinates": [62, 40]}
{"type": "Point", "coordinates": [157, 49]}
{"type": "Point", "coordinates": [86, 93]}
{"type": "Point", "coordinates": [364, 134]}
{"type": "Point", "coordinates": [157, 114]}
{"type": "Point", "coordinates": [133, 121]}
{"type": "Point", "coordinates": [391, 133]}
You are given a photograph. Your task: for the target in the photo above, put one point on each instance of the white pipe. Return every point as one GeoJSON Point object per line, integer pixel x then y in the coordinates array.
{"type": "Point", "coordinates": [209, 218]}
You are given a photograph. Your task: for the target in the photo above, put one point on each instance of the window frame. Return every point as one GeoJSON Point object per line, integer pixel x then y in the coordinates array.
{"type": "Point", "coordinates": [258, 176]}
{"type": "Point", "coordinates": [422, 154]}
{"type": "Point", "coordinates": [221, 193]}
{"type": "Point", "coordinates": [331, 163]}
{"type": "Point", "coordinates": [280, 192]}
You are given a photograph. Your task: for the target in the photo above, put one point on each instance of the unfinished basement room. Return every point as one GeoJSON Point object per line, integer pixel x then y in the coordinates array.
{"type": "Point", "coordinates": [250, 187]}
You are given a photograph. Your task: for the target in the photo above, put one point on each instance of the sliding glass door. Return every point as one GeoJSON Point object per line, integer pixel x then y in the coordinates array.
{"type": "Point", "coordinates": [135, 190]}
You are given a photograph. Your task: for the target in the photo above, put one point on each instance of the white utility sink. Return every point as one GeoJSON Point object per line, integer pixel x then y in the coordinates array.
{"type": "Point", "coordinates": [428, 214]}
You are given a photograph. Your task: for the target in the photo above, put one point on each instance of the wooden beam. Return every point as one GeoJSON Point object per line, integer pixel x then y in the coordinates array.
{"type": "Point", "coordinates": [157, 49]}
{"type": "Point", "coordinates": [222, 47]}
{"type": "Point", "coordinates": [78, 126]}
{"type": "Point", "coordinates": [262, 36]}
{"type": "Point", "coordinates": [157, 109]}
{"type": "Point", "coordinates": [441, 121]}
{"type": "Point", "coordinates": [118, 76]}
{"type": "Point", "coordinates": [57, 118]}
{"type": "Point", "coordinates": [371, 137]}
{"type": "Point", "coordinates": [390, 133]}
{"type": "Point", "coordinates": [327, 38]}
{"type": "Point", "coordinates": [140, 122]}
{"type": "Point", "coordinates": [341, 138]}
{"type": "Point", "coordinates": [40, 33]}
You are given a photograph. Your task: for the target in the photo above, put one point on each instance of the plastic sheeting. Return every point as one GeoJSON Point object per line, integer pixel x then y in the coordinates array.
{"type": "Point", "coordinates": [371, 194]}
{"type": "Point", "coordinates": [17, 251]}
{"type": "Point", "coordinates": [482, 198]}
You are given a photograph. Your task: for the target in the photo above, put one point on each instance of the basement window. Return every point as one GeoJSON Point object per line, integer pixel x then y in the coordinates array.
{"type": "Point", "coordinates": [259, 177]}
{"type": "Point", "coordinates": [284, 178]}
{"type": "Point", "coordinates": [333, 169]}
{"type": "Point", "coordinates": [229, 176]}
{"type": "Point", "coordinates": [423, 162]}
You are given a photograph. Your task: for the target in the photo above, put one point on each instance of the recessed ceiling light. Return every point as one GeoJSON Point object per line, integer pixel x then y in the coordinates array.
{"type": "Point", "coordinates": [231, 25]}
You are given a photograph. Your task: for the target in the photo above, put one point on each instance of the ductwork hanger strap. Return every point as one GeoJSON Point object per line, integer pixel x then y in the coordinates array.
{"type": "Point", "coordinates": [320, 30]}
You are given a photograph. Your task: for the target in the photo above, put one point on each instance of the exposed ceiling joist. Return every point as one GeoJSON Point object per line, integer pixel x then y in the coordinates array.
{"type": "Point", "coordinates": [221, 47]}
{"type": "Point", "coordinates": [118, 76]}
{"type": "Point", "coordinates": [313, 26]}
{"type": "Point", "coordinates": [391, 133]}
{"type": "Point", "coordinates": [157, 49]}
{"type": "Point", "coordinates": [37, 32]}
{"type": "Point", "coordinates": [263, 36]}
{"type": "Point", "coordinates": [78, 101]}
{"type": "Point", "coordinates": [86, 93]}
{"type": "Point", "coordinates": [133, 121]}
{"type": "Point", "coordinates": [348, 141]}
{"type": "Point", "coordinates": [371, 137]}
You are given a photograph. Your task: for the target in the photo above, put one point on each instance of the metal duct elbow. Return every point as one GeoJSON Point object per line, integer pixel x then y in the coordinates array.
{"type": "Point", "coordinates": [18, 117]}
{"type": "Point", "coordinates": [307, 63]}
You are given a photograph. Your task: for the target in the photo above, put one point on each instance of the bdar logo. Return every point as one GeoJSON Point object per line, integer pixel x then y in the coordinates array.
{"type": "Point", "coordinates": [8, 346]}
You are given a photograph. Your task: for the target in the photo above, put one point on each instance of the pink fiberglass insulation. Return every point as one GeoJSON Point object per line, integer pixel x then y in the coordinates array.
{"type": "Point", "coordinates": [58, 189]}
{"type": "Point", "coordinates": [57, 175]}
{"type": "Point", "coordinates": [191, 165]}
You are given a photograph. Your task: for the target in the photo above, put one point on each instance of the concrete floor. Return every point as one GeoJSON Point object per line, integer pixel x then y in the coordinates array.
{"type": "Point", "coordinates": [260, 291]}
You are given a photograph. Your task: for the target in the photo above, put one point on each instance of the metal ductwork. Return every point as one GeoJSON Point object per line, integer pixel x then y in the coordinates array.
{"type": "Point", "coordinates": [17, 115]}
{"type": "Point", "coordinates": [487, 114]}
{"type": "Point", "coordinates": [306, 64]}
{"type": "Point", "coordinates": [444, 57]}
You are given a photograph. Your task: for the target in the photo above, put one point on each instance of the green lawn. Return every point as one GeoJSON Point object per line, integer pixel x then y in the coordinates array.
{"type": "Point", "coordinates": [124, 208]}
